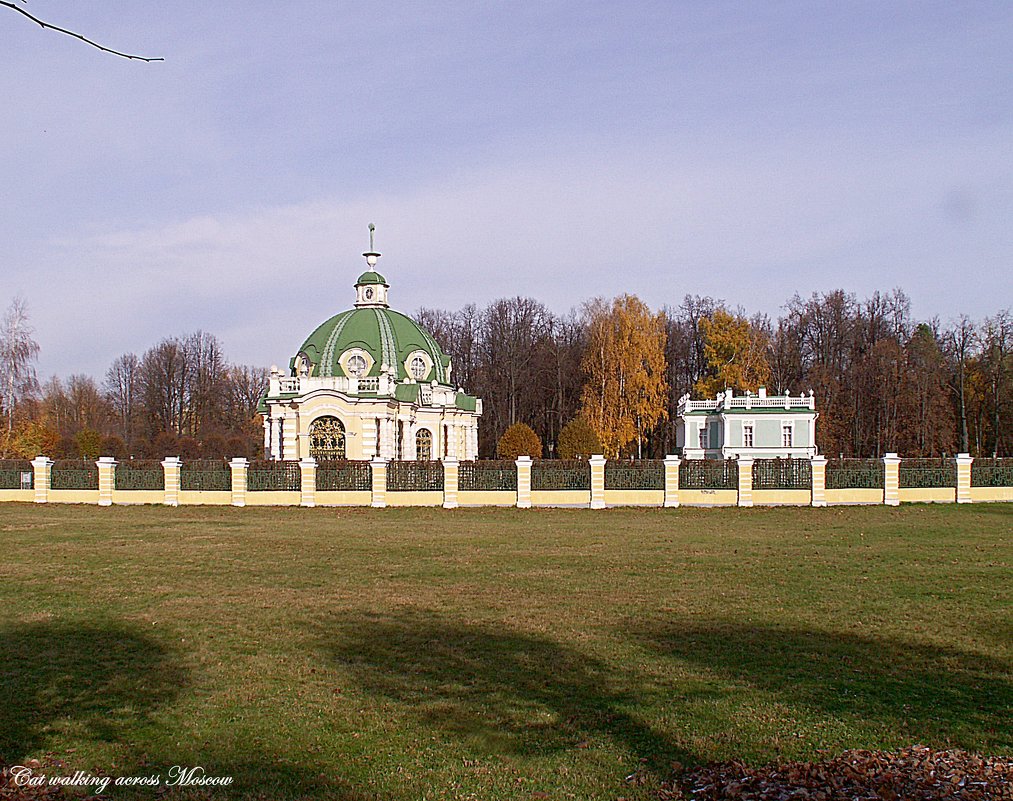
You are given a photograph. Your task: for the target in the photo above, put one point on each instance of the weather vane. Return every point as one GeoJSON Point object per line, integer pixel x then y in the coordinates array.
{"type": "Point", "coordinates": [372, 228]}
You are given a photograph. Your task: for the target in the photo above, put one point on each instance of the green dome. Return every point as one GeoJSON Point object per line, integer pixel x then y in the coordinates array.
{"type": "Point", "coordinates": [371, 277]}
{"type": "Point", "coordinates": [388, 336]}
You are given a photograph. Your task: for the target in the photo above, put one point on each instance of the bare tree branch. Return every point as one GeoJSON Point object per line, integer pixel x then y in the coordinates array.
{"type": "Point", "coordinates": [75, 35]}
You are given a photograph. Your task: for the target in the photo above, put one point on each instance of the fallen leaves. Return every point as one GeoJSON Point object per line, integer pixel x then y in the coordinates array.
{"type": "Point", "coordinates": [911, 774]}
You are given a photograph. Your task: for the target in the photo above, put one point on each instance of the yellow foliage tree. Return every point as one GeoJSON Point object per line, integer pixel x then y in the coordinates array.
{"type": "Point", "coordinates": [624, 367]}
{"type": "Point", "coordinates": [519, 440]}
{"type": "Point", "coordinates": [736, 355]}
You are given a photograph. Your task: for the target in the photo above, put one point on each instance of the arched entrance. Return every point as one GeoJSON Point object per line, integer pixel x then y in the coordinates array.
{"type": "Point", "coordinates": [327, 438]}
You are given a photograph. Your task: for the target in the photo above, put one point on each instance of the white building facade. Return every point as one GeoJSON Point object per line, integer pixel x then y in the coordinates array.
{"type": "Point", "coordinates": [757, 426]}
{"type": "Point", "coordinates": [369, 383]}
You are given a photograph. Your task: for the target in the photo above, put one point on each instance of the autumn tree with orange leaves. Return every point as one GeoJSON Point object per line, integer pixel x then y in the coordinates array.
{"type": "Point", "coordinates": [625, 391]}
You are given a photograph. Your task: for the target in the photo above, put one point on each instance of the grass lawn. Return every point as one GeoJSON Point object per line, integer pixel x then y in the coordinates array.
{"type": "Point", "coordinates": [494, 654]}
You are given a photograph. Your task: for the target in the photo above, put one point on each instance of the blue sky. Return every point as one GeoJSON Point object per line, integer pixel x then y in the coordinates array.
{"type": "Point", "coordinates": [560, 150]}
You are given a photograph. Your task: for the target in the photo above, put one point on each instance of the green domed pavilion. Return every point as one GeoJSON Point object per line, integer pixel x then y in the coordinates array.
{"type": "Point", "coordinates": [369, 383]}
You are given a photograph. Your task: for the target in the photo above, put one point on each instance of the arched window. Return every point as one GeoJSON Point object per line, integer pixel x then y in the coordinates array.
{"type": "Point", "coordinates": [419, 368]}
{"type": "Point", "coordinates": [424, 445]}
{"type": "Point", "coordinates": [327, 438]}
{"type": "Point", "coordinates": [356, 366]}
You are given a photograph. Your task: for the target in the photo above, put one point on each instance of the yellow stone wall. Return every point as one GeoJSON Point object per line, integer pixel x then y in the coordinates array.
{"type": "Point", "coordinates": [634, 497]}
{"type": "Point", "coordinates": [342, 498]}
{"type": "Point", "coordinates": [854, 496]}
{"type": "Point", "coordinates": [273, 498]}
{"type": "Point", "coordinates": [986, 494]}
{"type": "Point", "coordinates": [138, 496]}
{"type": "Point", "coordinates": [27, 496]}
{"type": "Point", "coordinates": [73, 496]}
{"type": "Point", "coordinates": [782, 497]}
{"type": "Point", "coordinates": [486, 497]}
{"type": "Point", "coordinates": [414, 498]}
{"type": "Point", "coordinates": [561, 498]}
{"type": "Point", "coordinates": [929, 495]}
{"type": "Point", "coordinates": [722, 497]}
{"type": "Point", "coordinates": [207, 498]}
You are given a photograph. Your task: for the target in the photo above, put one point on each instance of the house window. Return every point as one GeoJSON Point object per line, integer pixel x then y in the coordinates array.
{"type": "Point", "coordinates": [703, 436]}
{"type": "Point", "coordinates": [786, 432]}
{"type": "Point", "coordinates": [419, 368]}
{"type": "Point", "coordinates": [747, 436]}
{"type": "Point", "coordinates": [424, 445]}
{"type": "Point", "coordinates": [356, 366]}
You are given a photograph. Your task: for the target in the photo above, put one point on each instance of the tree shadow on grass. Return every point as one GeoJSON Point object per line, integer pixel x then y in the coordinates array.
{"type": "Point", "coordinates": [102, 680]}
{"type": "Point", "coordinates": [918, 692]}
{"type": "Point", "coordinates": [500, 691]}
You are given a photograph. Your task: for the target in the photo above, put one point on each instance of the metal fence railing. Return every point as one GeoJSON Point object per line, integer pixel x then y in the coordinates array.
{"type": "Point", "coordinates": [560, 474]}
{"type": "Point", "coordinates": [140, 474]}
{"type": "Point", "coordinates": [267, 476]}
{"type": "Point", "coordinates": [16, 474]}
{"type": "Point", "coordinates": [709, 474]}
{"type": "Point", "coordinates": [206, 475]}
{"type": "Point", "coordinates": [74, 474]}
{"type": "Point", "coordinates": [927, 473]}
{"type": "Point", "coordinates": [344, 475]}
{"type": "Point", "coordinates": [490, 475]}
{"type": "Point", "coordinates": [415, 476]}
{"type": "Point", "coordinates": [992, 473]}
{"type": "Point", "coordinates": [782, 474]}
{"type": "Point", "coordinates": [644, 474]}
{"type": "Point", "coordinates": [854, 474]}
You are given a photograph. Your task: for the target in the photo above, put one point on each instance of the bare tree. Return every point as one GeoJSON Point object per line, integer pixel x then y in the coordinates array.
{"type": "Point", "coordinates": [18, 352]}
{"type": "Point", "coordinates": [122, 388]}
{"type": "Point", "coordinates": [42, 24]}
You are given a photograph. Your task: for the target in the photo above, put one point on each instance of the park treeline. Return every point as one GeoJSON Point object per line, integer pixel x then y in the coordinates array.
{"type": "Point", "coordinates": [883, 380]}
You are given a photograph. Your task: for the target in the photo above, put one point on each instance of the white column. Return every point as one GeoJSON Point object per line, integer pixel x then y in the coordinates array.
{"type": "Point", "coordinates": [171, 469]}
{"type": "Point", "coordinates": [239, 466]}
{"type": "Point", "coordinates": [267, 436]}
{"type": "Point", "coordinates": [450, 478]}
{"type": "Point", "coordinates": [745, 481]}
{"type": "Point", "coordinates": [410, 452]}
{"type": "Point", "coordinates": [597, 463]}
{"type": "Point", "coordinates": [42, 467]}
{"type": "Point", "coordinates": [290, 431]}
{"type": "Point", "coordinates": [819, 480]}
{"type": "Point", "coordinates": [307, 481]}
{"type": "Point", "coordinates": [964, 461]}
{"type": "Point", "coordinates": [106, 479]}
{"type": "Point", "coordinates": [378, 468]}
{"type": "Point", "coordinates": [891, 479]}
{"type": "Point", "coordinates": [276, 423]}
{"type": "Point", "coordinates": [672, 481]}
{"type": "Point", "coordinates": [523, 464]}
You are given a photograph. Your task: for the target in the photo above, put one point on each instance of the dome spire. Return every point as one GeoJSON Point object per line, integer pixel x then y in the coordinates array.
{"type": "Point", "coordinates": [371, 255]}
{"type": "Point", "coordinates": [371, 288]}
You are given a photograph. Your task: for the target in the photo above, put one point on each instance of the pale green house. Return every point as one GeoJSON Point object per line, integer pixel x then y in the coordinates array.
{"type": "Point", "coordinates": [757, 426]}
